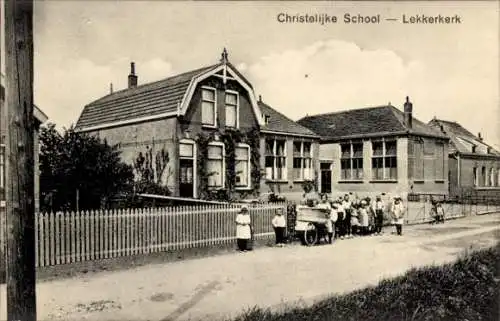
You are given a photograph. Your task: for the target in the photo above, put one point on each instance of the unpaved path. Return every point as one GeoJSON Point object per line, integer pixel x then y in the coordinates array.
{"type": "Point", "coordinates": [219, 286]}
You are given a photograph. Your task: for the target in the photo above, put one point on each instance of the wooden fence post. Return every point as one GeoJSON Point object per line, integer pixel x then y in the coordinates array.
{"type": "Point", "coordinates": [20, 187]}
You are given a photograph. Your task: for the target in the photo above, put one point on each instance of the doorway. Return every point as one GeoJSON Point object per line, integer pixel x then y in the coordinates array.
{"type": "Point", "coordinates": [326, 177]}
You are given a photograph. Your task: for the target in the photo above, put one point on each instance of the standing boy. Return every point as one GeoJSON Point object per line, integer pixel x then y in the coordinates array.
{"type": "Point", "coordinates": [340, 224]}
{"type": "Point", "coordinates": [379, 215]}
{"type": "Point", "coordinates": [347, 206]}
{"type": "Point", "coordinates": [279, 225]}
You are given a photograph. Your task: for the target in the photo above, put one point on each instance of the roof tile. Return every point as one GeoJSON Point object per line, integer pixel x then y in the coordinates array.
{"type": "Point", "coordinates": [281, 123]}
{"type": "Point", "coordinates": [150, 99]}
{"type": "Point", "coordinates": [363, 121]}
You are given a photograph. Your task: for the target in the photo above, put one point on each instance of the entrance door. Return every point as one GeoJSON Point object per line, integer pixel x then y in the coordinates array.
{"type": "Point", "coordinates": [326, 177]}
{"type": "Point", "coordinates": [186, 180]}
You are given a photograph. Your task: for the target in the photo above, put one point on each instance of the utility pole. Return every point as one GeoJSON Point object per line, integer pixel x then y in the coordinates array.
{"type": "Point", "coordinates": [20, 187]}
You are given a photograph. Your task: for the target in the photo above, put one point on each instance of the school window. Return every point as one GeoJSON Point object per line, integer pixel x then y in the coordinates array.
{"type": "Point", "coordinates": [208, 110]}
{"type": "Point", "coordinates": [418, 159]}
{"type": "Point", "coordinates": [275, 159]}
{"type": "Point", "coordinates": [231, 110]}
{"type": "Point", "coordinates": [351, 161]}
{"type": "Point", "coordinates": [484, 177]}
{"type": "Point", "coordinates": [475, 176]}
{"type": "Point", "coordinates": [242, 166]}
{"type": "Point", "coordinates": [302, 161]}
{"type": "Point", "coordinates": [384, 160]}
{"type": "Point", "coordinates": [498, 176]}
{"type": "Point", "coordinates": [429, 160]}
{"type": "Point", "coordinates": [2, 172]}
{"type": "Point", "coordinates": [491, 177]}
{"type": "Point", "coordinates": [215, 166]}
{"type": "Point", "coordinates": [439, 161]}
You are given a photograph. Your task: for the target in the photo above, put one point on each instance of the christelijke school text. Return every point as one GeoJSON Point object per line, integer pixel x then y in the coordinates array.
{"type": "Point", "coordinates": [323, 18]}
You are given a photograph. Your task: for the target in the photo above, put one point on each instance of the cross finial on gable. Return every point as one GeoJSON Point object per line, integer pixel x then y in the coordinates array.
{"type": "Point", "coordinates": [224, 56]}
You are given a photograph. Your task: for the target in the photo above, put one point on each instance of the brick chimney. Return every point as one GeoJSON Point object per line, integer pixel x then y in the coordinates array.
{"type": "Point", "coordinates": [132, 78]}
{"type": "Point", "coordinates": [408, 113]}
{"type": "Point", "coordinates": [479, 136]}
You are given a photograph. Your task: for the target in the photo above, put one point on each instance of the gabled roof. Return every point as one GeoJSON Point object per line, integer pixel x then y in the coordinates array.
{"type": "Point", "coordinates": [279, 123]}
{"type": "Point", "coordinates": [155, 98]}
{"type": "Point", "coordinates": [358, 123]}
{"type": "Point", "coordinates": [462, 140]}
{"type": "Point", "coordinates": [164, 98]}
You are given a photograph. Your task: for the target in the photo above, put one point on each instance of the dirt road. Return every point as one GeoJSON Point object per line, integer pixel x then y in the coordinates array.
{"type": "Point", "coordinates": [210, 288]}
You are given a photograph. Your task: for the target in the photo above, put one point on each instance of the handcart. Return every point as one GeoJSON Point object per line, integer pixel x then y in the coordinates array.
{"type": "Point", "coordinates": [311, 224]}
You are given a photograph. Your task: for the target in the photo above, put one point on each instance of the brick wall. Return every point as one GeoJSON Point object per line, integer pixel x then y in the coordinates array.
{"type": "Point", "coordinates": [138, 138]}
{"type": "Point", "coordinates": [370, 187]}
{"type": "Point", "coordinates": [192, 119]}
{"type": "Point", "coordinates": [466, 177]}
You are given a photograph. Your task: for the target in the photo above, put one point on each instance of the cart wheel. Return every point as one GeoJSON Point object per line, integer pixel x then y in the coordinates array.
{"type": "Point", "coordinates": [310, 235]}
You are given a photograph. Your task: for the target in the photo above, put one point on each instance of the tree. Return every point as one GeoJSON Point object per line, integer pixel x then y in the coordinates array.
{"type": "Point", "coordinates": [73, 161]}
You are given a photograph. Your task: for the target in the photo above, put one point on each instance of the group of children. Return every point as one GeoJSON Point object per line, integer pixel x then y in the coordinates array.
{"type": "Point", "coordinates": [360, 216]}
{"type": "Point", "coordinates": [347, 218]}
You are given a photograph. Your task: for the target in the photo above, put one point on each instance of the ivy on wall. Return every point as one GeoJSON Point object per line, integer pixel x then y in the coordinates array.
{"type": "Point", "coordinates": [230, 138]}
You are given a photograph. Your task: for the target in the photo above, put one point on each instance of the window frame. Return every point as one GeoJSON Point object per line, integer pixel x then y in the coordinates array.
{"type": "Point", "coordinates": [302, 157]}
{"type": "Point", "coordinates": [439, 160]}
{"type": "Point", "coordinates": [275, 156]}
{"type": "Point", "coordinates": [249, 167]}
{"type": "Point", "coordinates": [237, 115]}
{"type": "Point", "coordinates": [386, 161]}
{"type": "Point", "coordinates": [352, 159]}
{"type": "Point", "coordinates": [214, 90]}
{"type": "Point", "coordinates": [223, 160]}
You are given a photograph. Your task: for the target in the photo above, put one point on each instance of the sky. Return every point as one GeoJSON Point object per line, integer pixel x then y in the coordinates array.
{"type": "Point", "coordinates": [449, 71]}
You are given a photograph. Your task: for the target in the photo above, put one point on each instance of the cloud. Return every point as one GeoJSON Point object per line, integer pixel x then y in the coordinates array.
{"type": "Point", "coordinates": [332, 75]}
{"type": "Point", "coordinates": [81, 81]}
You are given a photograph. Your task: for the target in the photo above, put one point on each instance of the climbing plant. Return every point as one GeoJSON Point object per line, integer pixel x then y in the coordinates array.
{"type": "Point", "coordinates": [230, 138]}
{"type": "Point", "coordinates": [149, 171]}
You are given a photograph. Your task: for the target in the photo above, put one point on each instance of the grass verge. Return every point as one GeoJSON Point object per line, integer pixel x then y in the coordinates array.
{"type": "Point", "coordinates": [465, 290]}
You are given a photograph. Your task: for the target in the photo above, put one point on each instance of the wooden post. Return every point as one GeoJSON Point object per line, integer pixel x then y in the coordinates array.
{"type": "Point", "coordinates": [20, 198]}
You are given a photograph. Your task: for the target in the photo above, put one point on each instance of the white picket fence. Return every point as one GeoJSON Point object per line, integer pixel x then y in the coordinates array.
{"type": "Point", "coordinates": [63, 238]}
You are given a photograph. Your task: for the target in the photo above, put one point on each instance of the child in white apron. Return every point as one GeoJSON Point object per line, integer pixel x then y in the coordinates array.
{"type": "Point", "coordinates": [243, 231]}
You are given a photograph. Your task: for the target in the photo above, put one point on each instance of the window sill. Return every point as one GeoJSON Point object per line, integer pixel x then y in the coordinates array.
{"type": "Point", "coordinates": [276, 181]}
{"type": "Point", "coordinates": [440, 181]}
{"type": "Point", "coordinates": [208, 126]}
{"type": "Point", "coordinates": [214, 188]}
{"type": "Point", "coordinates": [243, 188]}
{"type": "Point", "coordinates": [419, 181]}
{"type": "Point", "coordinates": [485, 188]}
{"type": "Point", "coordinates": [351, 181]}
{"type": "Point", "coordinates": [302, 180]}
{"type": "Point", "coordinates": [384, 181]}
